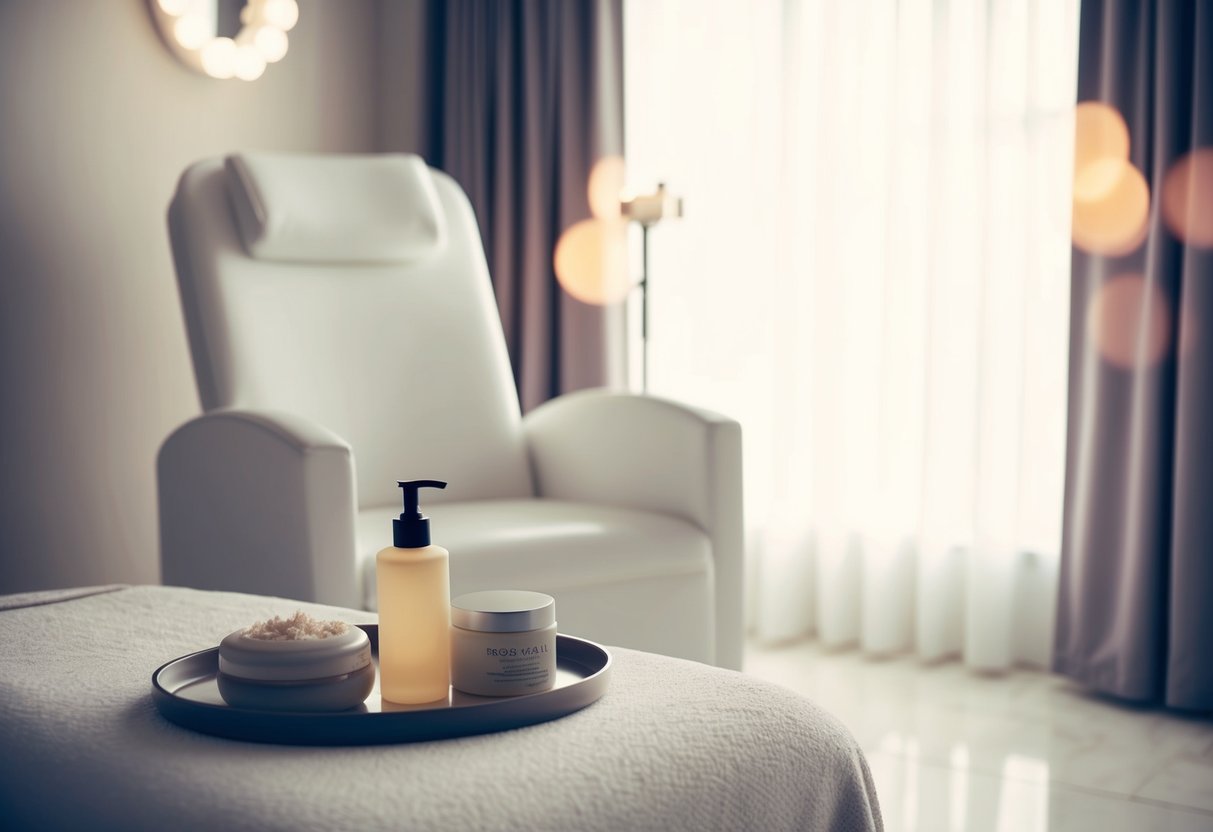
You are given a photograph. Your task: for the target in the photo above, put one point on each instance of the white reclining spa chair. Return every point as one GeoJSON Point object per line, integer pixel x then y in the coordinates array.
{"type": "Point", "coordinates": [345, 336]}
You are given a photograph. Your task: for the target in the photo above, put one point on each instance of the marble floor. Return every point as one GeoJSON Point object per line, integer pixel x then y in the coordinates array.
{"type": "Point", "coordinates": [952, 750]}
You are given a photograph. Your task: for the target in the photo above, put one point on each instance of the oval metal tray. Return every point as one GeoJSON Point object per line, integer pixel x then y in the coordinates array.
{"type": "Point", "coordinates": [186, 693]}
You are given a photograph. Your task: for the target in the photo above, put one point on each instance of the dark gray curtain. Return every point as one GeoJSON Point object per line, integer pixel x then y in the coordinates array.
{"type": "Point", "coordinates": [524, 97]}
{"type": "Point", "coordinates": [1135, 614]}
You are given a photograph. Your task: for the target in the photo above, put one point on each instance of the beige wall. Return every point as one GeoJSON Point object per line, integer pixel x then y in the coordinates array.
{"type": "Point", "coordinates": [97, 120]}
{"type": "Point", "coordinates": [402, 76]}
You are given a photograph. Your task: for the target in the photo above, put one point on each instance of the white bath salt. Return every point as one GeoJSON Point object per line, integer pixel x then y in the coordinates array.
{"type": "Point", "coordinates": [298, 627]}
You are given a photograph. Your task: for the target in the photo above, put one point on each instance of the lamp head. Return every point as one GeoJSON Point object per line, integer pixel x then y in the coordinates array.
{"type": "Point", "coordinates": [650, 209]}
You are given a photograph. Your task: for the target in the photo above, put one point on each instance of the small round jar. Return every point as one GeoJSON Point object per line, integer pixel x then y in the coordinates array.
{"type": "Point", "coordinates": [317, 674]}
{"type": "Point", "coordinates": [503, 643]}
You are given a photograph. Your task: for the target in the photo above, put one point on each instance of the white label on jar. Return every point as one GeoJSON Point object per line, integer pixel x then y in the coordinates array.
{"type": "Point", "coordinates": [503, 664]}
{"type": "Point", "coordinates": [525, 667]}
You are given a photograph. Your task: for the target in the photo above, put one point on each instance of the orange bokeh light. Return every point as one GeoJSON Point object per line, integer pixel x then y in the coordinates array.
{"type": "Point", "coordinates": [1187, 198]}
{"type": "Point", "coordinates": [1100, 133]}
{"type": "Point", "coordinates": [1129, 322]}
{"type": "Point", "coordinates": [591, 261]}
{"type": "Point", "coordinates": [1111, 198]}
{"type": "Point", "coordinates": [1111, 209]}
{"type": "Point", "coordinates": [605, 187]}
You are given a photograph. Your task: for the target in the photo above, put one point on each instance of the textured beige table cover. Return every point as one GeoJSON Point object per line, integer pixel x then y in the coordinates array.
{"type": "Point", "coordinates": [674, 745]}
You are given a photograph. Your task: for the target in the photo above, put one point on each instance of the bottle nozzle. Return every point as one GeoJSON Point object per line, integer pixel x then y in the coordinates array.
{"type": "Point", "coordinates": [412, 529]}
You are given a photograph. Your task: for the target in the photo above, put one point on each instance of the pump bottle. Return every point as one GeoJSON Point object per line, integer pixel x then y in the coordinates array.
{"type": "Point", "coordinates": [414, 588]}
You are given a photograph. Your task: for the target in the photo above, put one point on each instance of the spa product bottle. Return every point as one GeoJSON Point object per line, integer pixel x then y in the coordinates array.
{"type": "Point", "coordinates": [414, 588]}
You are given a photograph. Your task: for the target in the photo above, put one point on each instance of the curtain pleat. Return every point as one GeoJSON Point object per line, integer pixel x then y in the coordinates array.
{"type": "Point", "coordinates": [524, 98]}
{"type": "Point", "coordinates": [1133, 613]}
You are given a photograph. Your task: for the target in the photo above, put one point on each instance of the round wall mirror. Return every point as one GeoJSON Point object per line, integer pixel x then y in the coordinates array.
{"type": "Point", "coordinates": [226, 38]}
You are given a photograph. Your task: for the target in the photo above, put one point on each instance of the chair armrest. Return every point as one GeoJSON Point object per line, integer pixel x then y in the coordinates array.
{"type": "Point", "coordinates": [260, 502]}
{"type": "Point", "coordinates": [657, 455]}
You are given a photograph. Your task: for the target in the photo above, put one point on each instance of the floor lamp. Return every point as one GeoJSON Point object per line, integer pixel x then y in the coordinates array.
{"type": "Point", "coordinates": [591, 257]}
{"type": "Point", "coordinates": [647, 211]}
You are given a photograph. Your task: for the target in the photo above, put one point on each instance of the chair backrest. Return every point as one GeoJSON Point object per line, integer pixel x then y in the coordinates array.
{"type": "Point", "coordinates": [395, 346]}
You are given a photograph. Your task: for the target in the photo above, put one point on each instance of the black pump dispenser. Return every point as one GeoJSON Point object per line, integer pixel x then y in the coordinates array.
{"type": "Point", "coordinates": [412, 529]}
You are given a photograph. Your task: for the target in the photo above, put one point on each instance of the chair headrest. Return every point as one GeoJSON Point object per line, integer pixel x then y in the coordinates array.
{"type": "Point", "coordinates": [335, 208]}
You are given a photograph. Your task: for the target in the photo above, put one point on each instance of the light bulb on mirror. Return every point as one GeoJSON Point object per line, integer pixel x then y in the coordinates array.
{"type": "Point", "coordinates": [271, 42]}
{"type": "Point", "coordinates": [281, 13]}
{"type": "Point", "coordinates": [192, 31]}
{"type": "Point", "coordinates": [248, 63]}
{"type": "Point", "coordinates": [219, 58]}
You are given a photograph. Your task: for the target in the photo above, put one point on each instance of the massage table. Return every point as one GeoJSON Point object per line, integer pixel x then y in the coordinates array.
{"type": "Point", "coordinates": [673, 744]}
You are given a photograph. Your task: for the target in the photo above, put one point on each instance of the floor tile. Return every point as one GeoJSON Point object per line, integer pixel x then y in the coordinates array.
{"type": "Point", "coordinates": [922, 797]}
{"type": "Point", "coordinates": [1184, 780]}
{"type": "Point", "coordinates": [1033, 745]}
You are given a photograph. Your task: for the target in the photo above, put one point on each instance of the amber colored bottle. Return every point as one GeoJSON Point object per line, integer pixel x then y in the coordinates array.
{"type": "Point", "coordinates": [414, 590]}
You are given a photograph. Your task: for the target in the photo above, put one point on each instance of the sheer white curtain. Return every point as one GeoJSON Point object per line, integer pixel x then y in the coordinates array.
{"type": "Point", "coordinates": [873, 276]}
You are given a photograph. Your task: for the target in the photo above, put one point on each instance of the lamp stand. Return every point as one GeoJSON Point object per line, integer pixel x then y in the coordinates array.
{"type": "Point", "coordinates": [646, 211]}
{"type": "Point", "coordinates": [644, 307]}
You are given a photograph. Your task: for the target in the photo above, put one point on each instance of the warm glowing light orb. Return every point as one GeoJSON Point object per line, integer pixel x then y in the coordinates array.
{"type": "Point", "coordinates": [281, 13]}
{"type": "Point", "coordinates": [271, 42]}
{"type": "Point", "coordinates": [1100, 133]}
{"type": "Point", "coordinates": [1187, 198]}
{"type": "Point", "coordinates": [192, 31]}
{"type": "Point", "coordinates": [1097, 179]}
{"type": "Point", "coordinates": [219, 58]}
{"type": "Point", "coordinates": [248, 63]}
{"type": "Point", "coordinates": [591, 261]}
{"type": "Point", "coordinates": [173, 7]}
{"type": "Point", "coordinates": [1129, 322]}
{"type": "Point", "coordinates": [1111, 219]}
{"type": "Point", "coordinates": [605, 187]}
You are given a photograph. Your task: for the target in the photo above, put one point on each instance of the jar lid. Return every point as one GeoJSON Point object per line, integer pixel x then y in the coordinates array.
{"type": "Point", "coordinates": [503, 611]}
{"type": "Point", "coordinates": [293, 660]}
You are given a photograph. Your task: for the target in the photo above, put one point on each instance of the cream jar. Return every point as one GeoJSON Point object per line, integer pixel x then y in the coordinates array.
{"type": "Point", "coordinates": [503, 643]}
{"type": "Point", "coordinates": [297, 670]}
